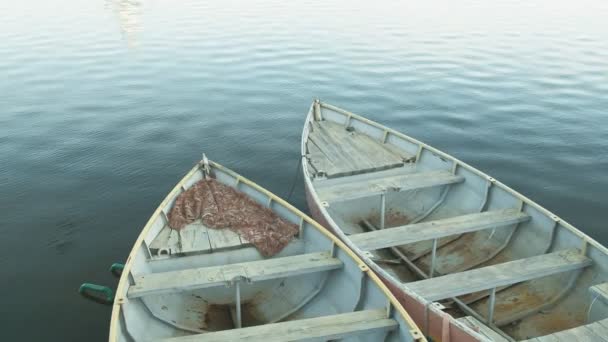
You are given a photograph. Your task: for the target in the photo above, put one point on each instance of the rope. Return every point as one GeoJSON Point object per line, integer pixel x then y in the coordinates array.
{"type": "Point", "coordinates": [295, 179]}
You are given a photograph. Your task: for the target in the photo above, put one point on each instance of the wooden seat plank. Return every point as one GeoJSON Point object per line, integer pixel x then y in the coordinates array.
{"type": "Point", "coordinates": [347, 144]}
{"type": "Point", "coordinates": [197, 278]}
{"type": "Point", "coordinates": [375, 186]}
{"type": "Point", "coordinates": [457, 284]}
{"type": "Point", "coordinates": [367, 152]}
{"type": "Point", "coordinates": [593, 332]}
{"type": "Point", "coordinates": [320, 161]}
{"type": "Point", "coordinates": [224, 238]}
{"type": "Point", "coordinates": [345, 152]}
{"type": "Point", "coordinates": [600, 328]}
{"type": "Point", "coordinates": [194, 238]}
{"type": "Point", "coordinates": [402, 235]}
{"type": "Point", "coordinates": [482, 329]}
{"type": "Point", "coordinates": [331, 150]}
{"type": "Point", "coordinates": [319, 328]}
{"type": "Point", "coordinates": [167, 239]}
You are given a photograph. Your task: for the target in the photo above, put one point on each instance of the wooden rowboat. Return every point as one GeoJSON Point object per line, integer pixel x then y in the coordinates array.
{"type": "Point", "coordinates": [467, 256]}
{"type": "Point", "coordinates": [203, 284]}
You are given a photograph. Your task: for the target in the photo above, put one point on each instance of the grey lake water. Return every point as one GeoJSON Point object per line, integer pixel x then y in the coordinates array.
{"type": "Point", "coordinates": [104, 105]}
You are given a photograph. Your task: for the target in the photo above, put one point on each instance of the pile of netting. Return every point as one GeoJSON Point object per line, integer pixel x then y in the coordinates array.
{"type": "Point", "coordinates": [220, 206]}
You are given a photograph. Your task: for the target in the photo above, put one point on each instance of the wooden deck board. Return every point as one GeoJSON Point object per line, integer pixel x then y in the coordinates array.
{"type": "Point", "coordinates": [457, 284]}
{"type": "Point", "coordinates": [332, 150]}
{"type": "Point", "coordinates": [600, 290]}
{"type": "Point", "coordinates": [483, 329]}
{"type": "Point", "coordinates": [372, 187]}
{"type": "Point", "coordinates": [319, 328]}
{"type": "Point", "coordinates": [164, 239]}
{"type": "Point", "coordinates": [224, 238]}
{"type": "Point", "coordinates": [194, 238]}
{"type": "Point", "coordinates": [197, 278]}
{"type": "Point", "coordinates": [593, 332]}
{"type": "Point", "coordinates": [402, 235]}
{"type": "Point", "coordinates": [345, 153]}
{"type": "Point", "coordinates": [350, 147]}
{"type": "Point", "coordinates": [367, 152]}
{"type": "Point", "coordinates": [319, 160]}
{"type": "Point", "coordinates": [600, 328]}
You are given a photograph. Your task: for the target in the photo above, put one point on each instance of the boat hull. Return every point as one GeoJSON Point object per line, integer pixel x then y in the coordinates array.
{"type": "Point", "coordinates": [427, 223]}
{"type": "Point", "coordinates": [168, 292]}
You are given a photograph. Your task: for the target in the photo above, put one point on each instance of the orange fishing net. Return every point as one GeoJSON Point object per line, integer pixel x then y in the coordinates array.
{"type": "Point", "coordinates": [220, 206]}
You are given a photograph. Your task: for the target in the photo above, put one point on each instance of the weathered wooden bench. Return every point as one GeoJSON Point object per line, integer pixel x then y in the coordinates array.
{"type": "Point", "coordinates": [594, 332]}
{"type": "Point", "coordinates": [342, 191]}
{"type": "Point", "coordinates": [198, 278]}
{"type": "Point", "coordinates": [337, 151]}
{"type": "Point", "coordinates": [481, 328]}
{"type": "Point", "coordinates": [491, 277]}
{"type": "Point", "coordinates": [318, 329]}
{"type": "Point", "coordinates": [430, 230]}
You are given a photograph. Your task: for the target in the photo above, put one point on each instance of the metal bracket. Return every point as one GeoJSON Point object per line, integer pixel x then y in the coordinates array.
{"type": "Point", "coordinates": [237, 284]}
{"type": "Point", "coordinates": [433, 258]}
{"type": "Point", "coordinates": [382, 209]}
{"type": "Point", "coordinates": [491, 306]}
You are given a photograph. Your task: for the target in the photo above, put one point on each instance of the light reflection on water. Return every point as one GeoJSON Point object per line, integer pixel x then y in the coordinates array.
{"type": "Point", "coordinates": [128, 13]}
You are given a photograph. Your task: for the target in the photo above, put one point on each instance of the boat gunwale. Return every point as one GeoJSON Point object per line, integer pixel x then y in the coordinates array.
{"type": "Point", "coordinates": [123, 284]}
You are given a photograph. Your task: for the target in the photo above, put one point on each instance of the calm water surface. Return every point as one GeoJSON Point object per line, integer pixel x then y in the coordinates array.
{"type": "Point", "coordinates": [104, 105]}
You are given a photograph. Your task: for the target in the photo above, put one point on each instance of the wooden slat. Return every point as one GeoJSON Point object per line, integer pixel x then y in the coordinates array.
{"type": "Point", "coordinates": [319, 160]}
{"type": "Point", "coordinates": [579, 334]}
{"type": "Point", "coordinates": [594, 332]}
{"type": "Point", "coordinates": [339, 152]}
{"type": "Point", "coordinates": [194, 238]}
{"type": "Point", "coordinates": [367, 152]}
{"type": "Point", "coordinates": [405, 156]}
{"type": "Point", "coordinates": [331, 150]}
{"type": "Point", "coordinates": [483, 329]}
{"type": "Point", "coordinates": [371, 187]}
{"type": "Point", "coordinates": [167, 238]}
{"type": "Point", "coordinates": [319, 329]}
{"type": "Point", "coordinates": [349, 146]}
{"type": "Point", "coordinates": [600, 290]}
{"type": "Point", "coordinates": [600, 328]}
{"type": "Point", "coordinates": [402, 235]}
{"type": "Point", "coordinates": [223, 238]}
{"type": "Point", "coordinates": [457, 284]}
{"type": "Point", "coordinates": [197, 278]}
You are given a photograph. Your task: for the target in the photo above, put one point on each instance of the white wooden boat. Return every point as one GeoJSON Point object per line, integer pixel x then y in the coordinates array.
{"type": "Point", "coordinates": [469, 257]}
{"type": "Point", "coordinates": [202, 284]}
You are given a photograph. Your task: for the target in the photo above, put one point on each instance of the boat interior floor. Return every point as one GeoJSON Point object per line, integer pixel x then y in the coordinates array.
{"type": "Point", "coordinates": [467, 247]}
{"type": "Point", "coordinates": [292, 278]}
